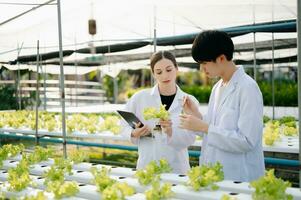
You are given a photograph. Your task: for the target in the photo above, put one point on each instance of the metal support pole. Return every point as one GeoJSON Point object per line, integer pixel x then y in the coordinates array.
{"type": "Point", "coordinates": [299, 77]}
{"type": "Point", "coordinates": [19, 97]}
{"type": "Point", "coordinates": [142, 83]}
{"type": "Point", "coordinates": [254, 47]}
{"type": "Point", "coordinates": [37, 95]}
{"type": "Point", "coordinates": [155, 29]}
{"type": "Point", "coordinates": [44, 84]}
{"type": "Point", "coordinates": [155, 39]}
{"type": "Point", "coordinates": [254, 56]}
{"type": "Point", "coordinates": [273, 77]}
{"type": "Point", "coordinates": [76, 75]}
{"type": "Point", "coordinates": [115, 80]}
{"type": "Point", "coordinates": [62, 78]}
{"type": "Point", "coordinates": [18, 88]}
{"type": "Point", "coordinates": [273, 62]}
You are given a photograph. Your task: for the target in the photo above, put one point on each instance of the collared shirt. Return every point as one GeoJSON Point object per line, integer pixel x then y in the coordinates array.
{"type": "Point", "coordinates": [234, 135]}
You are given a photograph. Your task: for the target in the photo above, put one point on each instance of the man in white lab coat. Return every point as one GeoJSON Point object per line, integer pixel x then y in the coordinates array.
{"type": "Point", "coordinates": [232, 128]}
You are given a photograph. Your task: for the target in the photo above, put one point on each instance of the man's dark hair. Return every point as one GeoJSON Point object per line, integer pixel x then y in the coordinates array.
{"type": "Point", "coordinates": [209, 45]}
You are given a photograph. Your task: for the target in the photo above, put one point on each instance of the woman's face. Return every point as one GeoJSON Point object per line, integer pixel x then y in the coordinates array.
{"type": "Point", "coordinates": [165, 72]}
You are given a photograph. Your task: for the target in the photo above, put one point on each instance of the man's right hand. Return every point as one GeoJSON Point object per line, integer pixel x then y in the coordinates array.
{"type": "Point", "coordinates": [190, 108]}
{"type": "Point", "coordinates": [138, 132]}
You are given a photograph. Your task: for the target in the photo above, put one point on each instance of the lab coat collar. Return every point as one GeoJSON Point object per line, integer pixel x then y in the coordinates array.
{"type": "Point", "coordinates": [177, 100]}
{"type": "Point", "coordinates": [156, 94]}
{"type": "Point", "coordinates": [237, 75]}
{"type": "Point", "coordinates": [155, 90]}
{"type": "Point", "coordinates": [231, 85]}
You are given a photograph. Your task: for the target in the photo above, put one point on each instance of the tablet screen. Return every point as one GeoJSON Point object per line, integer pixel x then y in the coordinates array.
{"type": "Point", "coordinates": [130, 118]}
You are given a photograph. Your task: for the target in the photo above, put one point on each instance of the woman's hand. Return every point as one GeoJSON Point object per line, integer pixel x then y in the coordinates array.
{"type": "Point", "coordinates": [166, 126]}
{"type": "Point", "coordinates": [190, 108]}
{"type": "Point", "coordinates": [193, 123]}
{"type": "Point", "coordinates": [138, 132]}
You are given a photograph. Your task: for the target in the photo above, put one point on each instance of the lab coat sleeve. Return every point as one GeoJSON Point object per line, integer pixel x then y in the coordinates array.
{"type": "Point", "coordinates": [201, 134]}
{"type": "Point", "coordinates": [126, 130]}
{"type": "Point", "coordinates": [182, 138]}
{"type": "Point", "coordinates": [249, 132]}
{"type": "Point", "coordinates": [206, 116]}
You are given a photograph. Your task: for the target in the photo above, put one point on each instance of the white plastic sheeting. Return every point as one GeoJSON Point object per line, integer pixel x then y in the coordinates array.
{"type": "Point", "coordinates": [131, 19]}
{"type": "Point", "coordinates": [114, 69]}
{"type": "Point", "coordinates": [53, 69]}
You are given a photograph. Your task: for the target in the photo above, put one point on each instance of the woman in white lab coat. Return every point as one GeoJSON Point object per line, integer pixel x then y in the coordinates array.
{"type": "Point", "coordinates": [232, 129]}
{"type": "Point", "coordinates": [172, 144]}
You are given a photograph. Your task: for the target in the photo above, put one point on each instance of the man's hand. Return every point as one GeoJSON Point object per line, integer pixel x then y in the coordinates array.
{"type": "Point", "coordinates": [193, 123]}
{"type": "Point", "coordinates": [138, 132]}
{"type": "Point", "coordinates": [190, 108]}
{"type": "Point", "coordinates": [166, 126]}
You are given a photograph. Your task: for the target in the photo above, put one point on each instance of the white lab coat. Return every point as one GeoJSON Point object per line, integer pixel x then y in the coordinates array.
{"type": "Point", "coordinates": [174, 148]}
{"type": "Point", "coordinates": [235, 130]}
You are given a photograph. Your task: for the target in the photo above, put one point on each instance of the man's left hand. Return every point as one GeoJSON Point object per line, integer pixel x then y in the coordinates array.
{"type": "Point", "coordinates": [193, 123]}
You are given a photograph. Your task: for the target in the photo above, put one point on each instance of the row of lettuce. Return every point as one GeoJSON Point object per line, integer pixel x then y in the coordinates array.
{"type": "Point", "coordinates": [275, 130]}
{"type": "Point", "coordinates": [200, 178]}
{"type": "Point", "coordinates": [95, 123]}
{"type": "Point", "coordinates": [84, 123]}
{"type": "Point", "coordinates": [52, 122]}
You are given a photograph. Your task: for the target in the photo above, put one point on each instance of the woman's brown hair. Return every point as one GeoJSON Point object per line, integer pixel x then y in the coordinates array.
{"type": "Point", "coordinates": [159, 56]}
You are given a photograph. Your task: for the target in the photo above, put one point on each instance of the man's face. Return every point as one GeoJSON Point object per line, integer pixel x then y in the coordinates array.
{"type": "Point", "coordinates": [210, 68]}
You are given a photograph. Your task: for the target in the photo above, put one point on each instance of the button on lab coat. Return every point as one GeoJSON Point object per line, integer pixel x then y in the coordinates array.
{"type": "Point", "coordinates": [174, 148]}
{"type": "Point", "coordinates": [235, 130]}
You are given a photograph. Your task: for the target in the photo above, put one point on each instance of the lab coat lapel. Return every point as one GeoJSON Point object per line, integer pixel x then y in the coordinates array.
{"type": "Point", "coordinates": [177, 100]}
{"type": "Point", "coordinates": [231, 87]}
{"type": "Point", "coordinates": [156, 96]}
{"type": "Point", "coordinates": [210, 112]}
